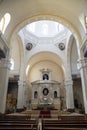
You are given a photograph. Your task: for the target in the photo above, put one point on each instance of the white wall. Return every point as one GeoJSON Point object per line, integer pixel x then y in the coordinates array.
{"type": "Point", "coordinates": [35, 73]}
{"type": "Point", "coordinates": [15, 55]}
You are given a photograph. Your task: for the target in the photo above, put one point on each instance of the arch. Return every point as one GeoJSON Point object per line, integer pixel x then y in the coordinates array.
{"type": "Point", "coordinates": [68, 47]}
{"type": "Point", "coordinates": [49, 17]}
{"type": "Point", "coordinates": [53, 18]}
{"type": "Point", "coordinates": [19, 51]}
{"type": "Point", "coordinates": [71, 37]}
{"type": "Point", "coordinates": [40, 56]}
{"type": "Point", "coordinates": [68, 51]}
{"type": "Point", "coordinates": [4, 22]}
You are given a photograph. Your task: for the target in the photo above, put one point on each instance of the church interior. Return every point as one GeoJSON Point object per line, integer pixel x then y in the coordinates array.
{"type": "Point", "coordinates": [43, 64]}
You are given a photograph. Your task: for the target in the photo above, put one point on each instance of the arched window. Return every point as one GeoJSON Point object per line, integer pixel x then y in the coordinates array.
{"type": "Point", "coordinates": [60, 27]}
{"type": "Point", "coordinates": [45, 29]}
{"type": "Point", "coordinates": [4, 22]}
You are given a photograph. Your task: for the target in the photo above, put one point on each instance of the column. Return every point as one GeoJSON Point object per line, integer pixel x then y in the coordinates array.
{"type": "Point", "coordinates": [69, 95]}
{"type": "Point", "coordinates": [21, 86]}
{"type": "Point", "coordinates": [82, 66]}
{"type": "Point", "coordinates": [4, 75]}
{"type": "Point", "coordinates": [21, 89]}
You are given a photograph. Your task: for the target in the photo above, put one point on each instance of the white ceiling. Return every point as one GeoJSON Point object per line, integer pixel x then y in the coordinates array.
{"type": "Point", "coordinates": [43, 56]}
{"type": "Point", "coordinates": [69, 11]}
{"type": "Point", "coordinates": [66, 12]}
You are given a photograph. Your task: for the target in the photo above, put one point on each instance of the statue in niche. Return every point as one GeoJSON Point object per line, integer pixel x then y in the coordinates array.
{"type": "Point", "coordinates": [45, 77]}
{"type": "Point", "coordinates": [35, 94]}
{"type": "Point", "coordinates": [55, 94]}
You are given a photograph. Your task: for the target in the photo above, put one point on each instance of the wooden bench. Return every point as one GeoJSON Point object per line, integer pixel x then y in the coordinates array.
{"type": "Point", "coordinates": [18, 122]}
{"type": "Point", "coordinates": [60, 128]}
{"type": "Point", "coordinates": [65, 123]}
{"type": "Point", "coordinates": [18, 126]}
{"type": "Point", "coordinates": [73, 117]}
{"type": "Point", "coordinates": [15, 117]}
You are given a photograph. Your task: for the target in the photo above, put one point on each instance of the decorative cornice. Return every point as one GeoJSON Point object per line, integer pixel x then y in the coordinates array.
{"type": "Point", "coordinates": [68, 82]}
{"type": "Point", "coordinates": [5, 63]}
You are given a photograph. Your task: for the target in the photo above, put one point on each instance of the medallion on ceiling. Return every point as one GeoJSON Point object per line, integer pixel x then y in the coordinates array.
{"type": "Point", "coordinates": [61, 46]}
{"type": "Point", "coordinates": [29, 46]}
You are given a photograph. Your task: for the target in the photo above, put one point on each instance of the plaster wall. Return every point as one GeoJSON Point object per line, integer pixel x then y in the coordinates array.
{"type": "Point", "coordinates": [56, 71]}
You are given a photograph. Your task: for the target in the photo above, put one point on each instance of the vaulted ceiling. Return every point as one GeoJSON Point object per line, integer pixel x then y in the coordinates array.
{"type": "Point", "coordinates": [68, 12]}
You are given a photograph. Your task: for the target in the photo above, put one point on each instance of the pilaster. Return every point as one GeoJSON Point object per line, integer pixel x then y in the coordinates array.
{"type": "Point", "coordinates": [21, 101]}
{"type": "Point", "coordinates": [4, 75]}
{"type": "Point", "coordinates": [69, 95]}
{"type": "Point", "coordinates": [82, 66]}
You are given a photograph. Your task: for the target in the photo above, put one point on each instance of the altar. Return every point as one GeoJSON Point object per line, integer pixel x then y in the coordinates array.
{"type": "Point", "coordinates": [45, 92]}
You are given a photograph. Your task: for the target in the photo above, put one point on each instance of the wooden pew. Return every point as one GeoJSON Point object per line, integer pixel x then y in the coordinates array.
{"type": "Point", "coordinates": [65, 123]}
{"type": "Point", "coordinates": [15, 117]}
{"type": "Point", "coordinates": [60, 128]}
{"type": "Point", "coordinates": [73, 117]}
{"type": "Point", "coordinates": [18, 126]}
{"type": "Point", "coordinates": [18, 122]}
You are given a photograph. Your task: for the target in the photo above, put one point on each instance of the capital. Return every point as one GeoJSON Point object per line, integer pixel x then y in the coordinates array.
{"type": "Point", "coordinates": [81, 63]}
{"type": "Point", "coordinates": [68, 82]}
{"type": "Point", "coordinates": [5, 63]}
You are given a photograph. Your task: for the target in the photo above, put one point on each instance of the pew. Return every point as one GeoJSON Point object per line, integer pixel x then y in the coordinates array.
{"type": "Point", "coordinates": [60, 128]}
{"type": "Point", "coordinates": [62, 123]}
{"type": "Point", "coordinates": [18, 122]}
{"type": "Point", "coordinates": [15, 117]}
{"type": "Point", "coordinates": [65, 123]}
{"type": "Point", "coordinates": [73, 117]}
{"type": "Point", "coordinates": [18, 126]}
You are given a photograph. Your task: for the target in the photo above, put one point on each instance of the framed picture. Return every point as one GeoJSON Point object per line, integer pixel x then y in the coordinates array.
{"type": "Point", "coordinates": [45, 91]}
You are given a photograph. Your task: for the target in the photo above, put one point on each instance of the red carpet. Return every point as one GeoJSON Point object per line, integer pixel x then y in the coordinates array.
{"type": "Point", "coordinates": [45, 114]}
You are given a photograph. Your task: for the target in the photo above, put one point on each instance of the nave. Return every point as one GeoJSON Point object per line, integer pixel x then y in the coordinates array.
{"type": "Point", "coordinates": [43, 64]}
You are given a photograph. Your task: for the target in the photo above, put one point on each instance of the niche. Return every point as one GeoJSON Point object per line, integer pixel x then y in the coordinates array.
{"type": "Point", "coordinates": [55, 94]}
{"type": "Point", "coordinates": [46, 74]}
{"type": "Point", "coordinates": [45, 77]}
{"type": "Point", "coordinates": [35, 94]}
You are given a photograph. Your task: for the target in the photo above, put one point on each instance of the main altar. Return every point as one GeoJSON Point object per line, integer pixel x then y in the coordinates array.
{"type": "Point", "coordinates": [45, 93]}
